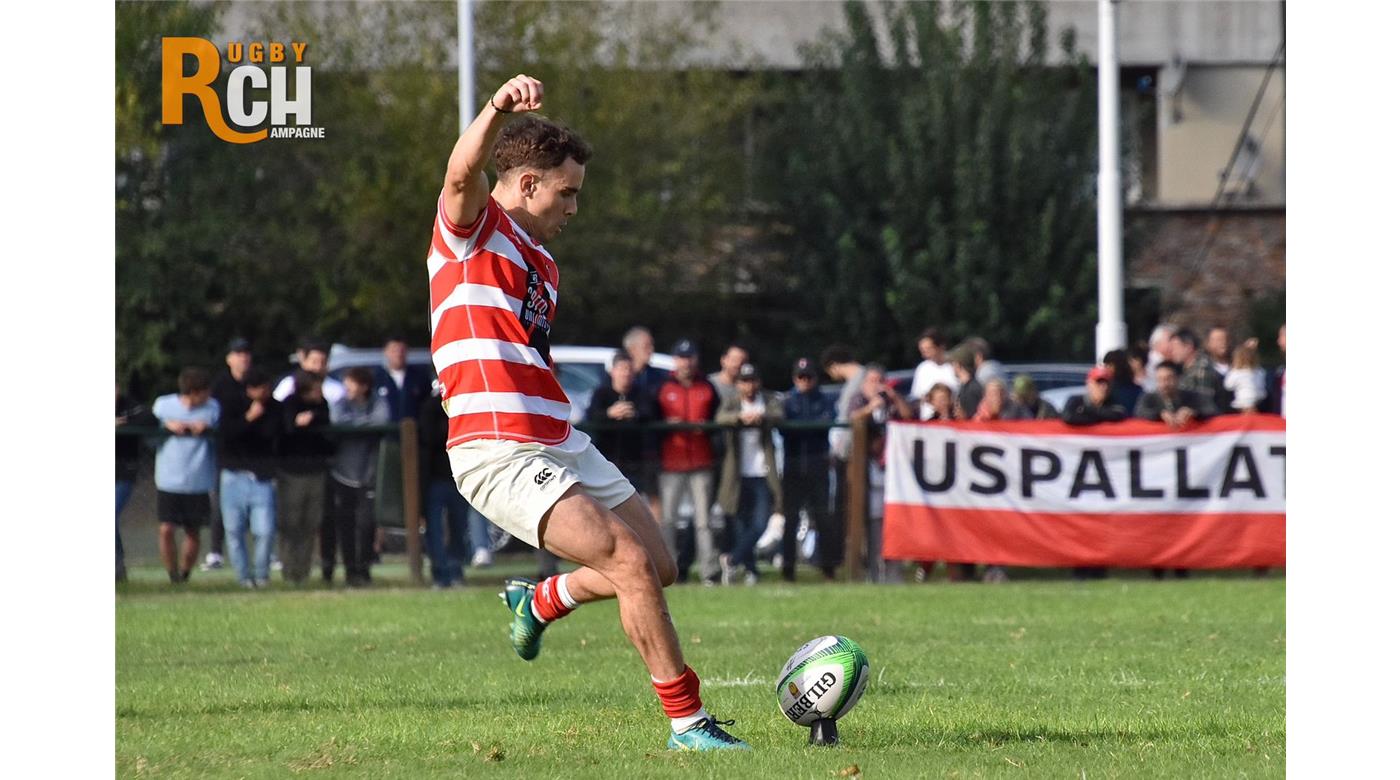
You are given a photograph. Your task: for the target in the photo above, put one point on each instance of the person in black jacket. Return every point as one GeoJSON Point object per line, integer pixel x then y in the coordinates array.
{"type": "Point", "coordinates": [229, 390]}
{"type": "Point", "coordinates": [622, 402]}
{"type": "Point", "coordinates": [1096, 404]}
{"type": "Point", "coordinates": [1172, 404]}
{"type": "Point", "coordinates": [249, 431]}
{"type": "Point", "coordinates": [806, 469]}
{"type": "Point", "coordinates": [402, 386]}
{"type": "Point", "coordinates": [301, 476]}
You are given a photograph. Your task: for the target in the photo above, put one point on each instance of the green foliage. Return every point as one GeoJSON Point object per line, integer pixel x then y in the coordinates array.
{"type": "Point", "coordinates": [938, 171]}
{"type": "Point", "coordinates": [277, 239]}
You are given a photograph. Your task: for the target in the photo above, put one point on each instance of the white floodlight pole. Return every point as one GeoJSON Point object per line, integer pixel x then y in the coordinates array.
{"type": "Point", "coordinates": [1111, 333]}
{"type": "Point", "coordinates": [466, 67]}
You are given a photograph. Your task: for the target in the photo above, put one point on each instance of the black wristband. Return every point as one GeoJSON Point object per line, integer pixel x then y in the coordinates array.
{"type": "Point", "coordinates": [492, 103]}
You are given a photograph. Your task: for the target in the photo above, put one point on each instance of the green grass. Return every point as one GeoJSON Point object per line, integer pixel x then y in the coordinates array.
{"type": "Point", "coordinates": [1121, 678]}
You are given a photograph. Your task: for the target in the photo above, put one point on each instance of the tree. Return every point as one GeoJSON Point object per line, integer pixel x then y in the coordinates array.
{"type": "Point", "coordinates": [277, 239]}
{"type": "Point", "coordinates": [939, 170]}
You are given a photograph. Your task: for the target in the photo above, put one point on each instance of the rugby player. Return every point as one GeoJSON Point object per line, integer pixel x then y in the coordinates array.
{"type": "Point", "coordinates": [514, 455]}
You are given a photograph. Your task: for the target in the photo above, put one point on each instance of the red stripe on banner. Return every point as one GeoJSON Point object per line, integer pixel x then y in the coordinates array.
{"type": "Point", "coordinates": [1012, 538]}
{"type": "Point", "coordinates": [1224, 423]}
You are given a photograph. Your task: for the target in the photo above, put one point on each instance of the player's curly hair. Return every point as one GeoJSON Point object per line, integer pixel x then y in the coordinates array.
{"type": "Point", "coordinates": [536, 142]}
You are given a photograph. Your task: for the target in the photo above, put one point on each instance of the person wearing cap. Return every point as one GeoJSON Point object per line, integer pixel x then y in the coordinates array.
{"type": "Point", "coordinates": [312, 357]}
{"type": "Point", "coordinates": [806, 472]}
{"type": "Point", "coordinates": [230, 390]}
{"type": "Point", "coordinates": [1095, 405]}
{"type": "Point", "coordinates": [749, 488]}
{"type": "Point", "coordinates": [250, 429]}
{"type": "Point", "coordinates": [1026, 403]}
{"type": "Point", "coordinates": [687, 457]}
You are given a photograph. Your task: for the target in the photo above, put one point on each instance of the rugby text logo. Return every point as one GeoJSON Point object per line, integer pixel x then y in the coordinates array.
{"type": "Point", "coordinates": [253, 120]}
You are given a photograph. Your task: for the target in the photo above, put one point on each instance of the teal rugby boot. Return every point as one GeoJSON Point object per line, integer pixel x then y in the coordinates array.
{"type": "Point", "coordinates": [707, 735]}
{"type": "Point", "coordinates": [525, 628]}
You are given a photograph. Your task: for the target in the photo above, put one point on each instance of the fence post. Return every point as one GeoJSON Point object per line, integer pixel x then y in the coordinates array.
{"type": "Point", "coordinates": [408, 456]}
{"type": "Point", "coordinates": [857, 498]}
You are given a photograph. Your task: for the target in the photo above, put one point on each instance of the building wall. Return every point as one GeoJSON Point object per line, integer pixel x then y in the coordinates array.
{"type": "Point", "coordinates": [1245, 262]}
{"type": "Point", "coordinates": [1197, 128]}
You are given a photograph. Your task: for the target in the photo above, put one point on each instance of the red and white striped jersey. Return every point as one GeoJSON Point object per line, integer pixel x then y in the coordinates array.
{"type": "Point", "coordinates": [493, 293]}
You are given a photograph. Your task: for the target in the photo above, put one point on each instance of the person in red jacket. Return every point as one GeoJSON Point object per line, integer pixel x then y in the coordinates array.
{"type": "Point", "coordinates": [687, 459]}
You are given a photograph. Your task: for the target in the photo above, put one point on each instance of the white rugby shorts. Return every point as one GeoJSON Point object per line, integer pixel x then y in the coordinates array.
{"type": "Point", "coordinates": [515, 483]}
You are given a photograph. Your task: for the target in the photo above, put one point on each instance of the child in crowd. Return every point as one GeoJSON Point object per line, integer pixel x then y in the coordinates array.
{"type": "Point", "coordinates": [1245, 379]}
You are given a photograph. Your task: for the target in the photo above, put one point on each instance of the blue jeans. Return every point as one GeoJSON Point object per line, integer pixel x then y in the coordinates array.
{"type": "Point", "coordinates": [248, 503]}
{"type": "Point", "coordinates": [124, 490]}
{"type": "Point", "coordinates": [447, 546]}
{"type": "Point", "coordinates": [755, 505]}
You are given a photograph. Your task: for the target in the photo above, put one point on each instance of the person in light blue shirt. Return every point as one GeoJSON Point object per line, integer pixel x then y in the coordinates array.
{"type": "Point", "coordinates": [185, 468]}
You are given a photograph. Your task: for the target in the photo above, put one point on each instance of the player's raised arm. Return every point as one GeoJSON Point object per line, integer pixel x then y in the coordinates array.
{"type": "Point", "coordinates": [465, 188]}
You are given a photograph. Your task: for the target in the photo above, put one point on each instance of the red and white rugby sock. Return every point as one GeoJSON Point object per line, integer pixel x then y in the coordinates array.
{"type": "Point", "coordinates": [552, 600]}
{"type": "Point", "coordinates": [680, 698]}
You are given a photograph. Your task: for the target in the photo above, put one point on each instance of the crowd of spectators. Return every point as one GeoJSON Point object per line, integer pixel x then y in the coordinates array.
{"type": "Point", "coordinates": [289, 468]}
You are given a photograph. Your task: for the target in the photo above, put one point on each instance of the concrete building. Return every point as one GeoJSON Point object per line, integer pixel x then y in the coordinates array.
{"type": "Point", "coordinates": [1203, 93]}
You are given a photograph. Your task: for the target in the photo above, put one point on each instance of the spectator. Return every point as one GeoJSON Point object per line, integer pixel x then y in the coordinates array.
{"type": "Point", "coordinates": [994, 402]}
{"type": "Point", "coordinates": [879, 404]}
{"type": "Point", "coordinates": [1159, 348]}
{"type": "Point", "coordinates": [1197, 374]}
{"type": "Point", "coordinates": [401, 386]}
{"type": "Point", "coordinates": [230, 391]}
{"type": "Point", "coordinates": [1218, 350]}
{"type": "Point", "coordinates": [1137, 360]}
{"type": "Point", "coordinates": [934, 369]}
{"type": "Point", "coordinates": [1096, 405]}
{"type": "Point", "coordinates": [352, 479]}
{"type": "Point", "coordinates": [312, 357]}
{"type": "Point", "coordinates": [1175, 406]}
{"type": "Point", "coordinates": [249, 430]}
{"type": "Point", "coordinates": [128, 464]}
{"type": "Point", "coordinates": [1170, 403]}
{"type": "Point", "coordinates": [1246, 380]}
{"type": "Point", "coordinates": [621, 403]}
{"type": "Point", "coordinates": [687, 457]}
{"type": "Point", "coordinates": [185, 468]}
{"type": "Point", "coordinates": [840, 365]}
{"type": "Point", "coordinates": [301, 477]}
{"type": "Point", "coordinates": [749, 487]}
{"type": "Point", "coordinates": [1123, 388]}
{"type": "Point", "coordinates": [446, 542]}
{"type": "Point", "coordinates": [985, 368]}
{"type": "Point", "coordinates": [1026, 403]}
{"type": "Point", "coordinates": [938, 404]}
{"type": "Point", "coordinates": [806, 464]}
{"type": "Point", "coordinates": [726, 379]}
{"type": "Point", "coordinates": [969, 395]}
{"type": "Point", "coordinates": [640, 347]}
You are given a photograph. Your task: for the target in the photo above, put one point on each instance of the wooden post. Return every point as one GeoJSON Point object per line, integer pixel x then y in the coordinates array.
{"type": "Point", "coordinates": [408, 456]}
{"type": "Point", "coordinates": [857, 498]}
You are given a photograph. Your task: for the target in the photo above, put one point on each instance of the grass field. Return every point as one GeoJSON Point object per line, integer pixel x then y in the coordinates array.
{"type": "Point", "coordinates": [1045, 678]}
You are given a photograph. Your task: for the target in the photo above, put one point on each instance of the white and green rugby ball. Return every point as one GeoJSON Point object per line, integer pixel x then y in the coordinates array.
{"type": "Point", "coordinates": [823, 679]}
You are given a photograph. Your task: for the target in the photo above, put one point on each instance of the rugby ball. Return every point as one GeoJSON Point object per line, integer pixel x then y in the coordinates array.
{"type": "Point", "coordinates": [823, 679]}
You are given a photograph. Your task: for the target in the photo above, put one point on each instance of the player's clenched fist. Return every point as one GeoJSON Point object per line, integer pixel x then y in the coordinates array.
{"type": "Point", "coordinates": [518, 95]}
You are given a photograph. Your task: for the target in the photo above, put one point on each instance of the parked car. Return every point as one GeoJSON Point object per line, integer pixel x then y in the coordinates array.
{"type": "Point", "coordinates": [580, 370]}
